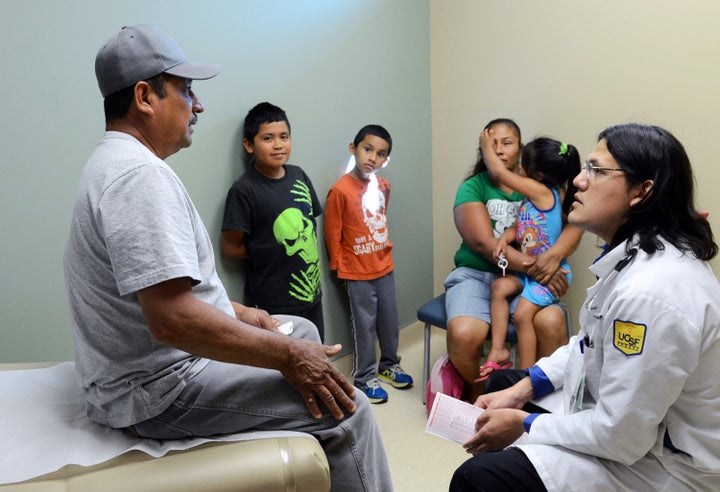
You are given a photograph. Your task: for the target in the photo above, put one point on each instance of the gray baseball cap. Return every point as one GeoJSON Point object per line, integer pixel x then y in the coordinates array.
{"type": "Point", "coordinates": [140, 52]}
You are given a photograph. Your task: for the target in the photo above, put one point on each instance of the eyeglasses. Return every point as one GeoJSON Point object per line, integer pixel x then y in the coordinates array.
{"type": "Point", "coordinates": [590, 169]}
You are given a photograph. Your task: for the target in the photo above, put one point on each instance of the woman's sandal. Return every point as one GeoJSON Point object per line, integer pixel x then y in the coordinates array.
{"type": "Point", "coordinates": [494, 366]}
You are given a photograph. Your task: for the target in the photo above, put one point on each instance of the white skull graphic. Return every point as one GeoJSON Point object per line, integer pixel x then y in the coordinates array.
{"type": "Point", "coordinates": [373, 204]}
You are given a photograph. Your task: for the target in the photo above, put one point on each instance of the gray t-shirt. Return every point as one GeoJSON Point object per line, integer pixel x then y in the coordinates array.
{"type": "Point", "coordinates": [133, 226]}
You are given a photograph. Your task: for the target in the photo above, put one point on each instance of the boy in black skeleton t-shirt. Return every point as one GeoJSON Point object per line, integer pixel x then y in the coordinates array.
{"type": "Point", "coordinates": [269, 220]}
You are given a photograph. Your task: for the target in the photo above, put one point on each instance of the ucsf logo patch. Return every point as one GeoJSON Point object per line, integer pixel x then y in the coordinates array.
{"type": "Point", "coordinates": [629, 337]}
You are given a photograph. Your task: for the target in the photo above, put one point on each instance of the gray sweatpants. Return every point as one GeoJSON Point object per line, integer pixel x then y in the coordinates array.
{"type": "Point", "coordinates": [373, 307]}
{"type": "Point", "coordinates": [228, 398]}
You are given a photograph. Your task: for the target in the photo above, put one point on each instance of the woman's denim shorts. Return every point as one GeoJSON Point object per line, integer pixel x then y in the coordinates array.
{"type": "Point", "coordinates": [467, 293]}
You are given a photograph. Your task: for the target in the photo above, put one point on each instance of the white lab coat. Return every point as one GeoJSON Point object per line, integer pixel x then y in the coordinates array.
{"type": "Point", "coordinates": [654, 365]}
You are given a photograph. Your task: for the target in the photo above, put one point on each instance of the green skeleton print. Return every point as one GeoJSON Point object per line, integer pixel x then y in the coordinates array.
{"type": "Point", "coordinates": [297, 234]}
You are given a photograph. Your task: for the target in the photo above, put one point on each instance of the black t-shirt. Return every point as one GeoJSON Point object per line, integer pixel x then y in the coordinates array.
{"type": "Point", "coordinates": [278, 219]}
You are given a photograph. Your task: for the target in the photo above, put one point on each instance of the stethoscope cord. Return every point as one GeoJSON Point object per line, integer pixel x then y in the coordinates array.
{"type": "Point", "coordinates": [619, 266]}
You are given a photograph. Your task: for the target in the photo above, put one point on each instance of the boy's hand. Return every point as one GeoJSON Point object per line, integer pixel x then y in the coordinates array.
{"type": "Point", "coordinates": [255, 317]}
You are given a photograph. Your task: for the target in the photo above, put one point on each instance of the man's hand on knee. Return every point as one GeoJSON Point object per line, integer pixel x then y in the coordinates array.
{"type": "Point", "coordinates": [311, 372]}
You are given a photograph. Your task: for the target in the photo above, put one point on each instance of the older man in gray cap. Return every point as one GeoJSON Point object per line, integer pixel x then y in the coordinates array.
{"type": "Point", "coordinates": [160, 349]}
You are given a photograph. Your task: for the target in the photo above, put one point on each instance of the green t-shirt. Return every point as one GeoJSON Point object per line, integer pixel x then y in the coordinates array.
{"type": "Point", "coordinates": [502, 208]}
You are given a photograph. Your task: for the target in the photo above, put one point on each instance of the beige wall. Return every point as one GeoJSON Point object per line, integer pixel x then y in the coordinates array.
{"type": "Point", "coordinates": [568, 69]}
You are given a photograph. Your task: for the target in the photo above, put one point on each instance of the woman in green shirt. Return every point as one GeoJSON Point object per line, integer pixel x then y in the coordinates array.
{"type": "Point", "coordinates": [483, 209]}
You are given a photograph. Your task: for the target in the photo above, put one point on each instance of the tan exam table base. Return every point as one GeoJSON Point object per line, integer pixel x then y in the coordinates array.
{"type": "Point", "coordinates": [286, 463]}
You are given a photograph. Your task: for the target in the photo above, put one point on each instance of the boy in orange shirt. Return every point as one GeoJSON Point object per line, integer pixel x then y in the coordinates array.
{"type": "Point", "coordinates": [359, 247]}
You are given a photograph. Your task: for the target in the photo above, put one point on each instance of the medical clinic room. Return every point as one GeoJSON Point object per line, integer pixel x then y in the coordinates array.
{"type": "Point", "coordinates": [257, 245]}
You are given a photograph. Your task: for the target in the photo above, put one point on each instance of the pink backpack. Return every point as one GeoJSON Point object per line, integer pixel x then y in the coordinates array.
{"type": "Point", "coordinates": [445, 379]}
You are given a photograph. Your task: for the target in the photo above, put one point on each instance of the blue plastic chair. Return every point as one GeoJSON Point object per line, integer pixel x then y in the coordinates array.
{"type": "Point", "coordinates": [432, 313]}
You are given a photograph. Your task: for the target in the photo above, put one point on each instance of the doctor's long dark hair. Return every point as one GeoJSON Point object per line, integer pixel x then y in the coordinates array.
{"type": "Point", "coordinates": [668, 210]}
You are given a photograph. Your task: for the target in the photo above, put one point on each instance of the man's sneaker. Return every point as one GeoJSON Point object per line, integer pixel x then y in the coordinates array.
{"type": "Point", "coordinates": [396, 376]}
{"type": "Point", "coordinates": [374, 391]}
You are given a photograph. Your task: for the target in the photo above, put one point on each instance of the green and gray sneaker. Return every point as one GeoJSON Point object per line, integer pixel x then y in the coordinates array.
{"type": "Point", "coordinates": [396, 376]}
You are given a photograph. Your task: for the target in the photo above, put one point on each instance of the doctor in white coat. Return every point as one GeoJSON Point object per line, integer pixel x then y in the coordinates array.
{"type": "Point", "coordinates": [640, 381]}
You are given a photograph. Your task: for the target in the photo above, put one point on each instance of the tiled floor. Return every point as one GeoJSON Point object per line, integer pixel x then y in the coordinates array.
{"type": "Point", "coordinates": [420, 462]}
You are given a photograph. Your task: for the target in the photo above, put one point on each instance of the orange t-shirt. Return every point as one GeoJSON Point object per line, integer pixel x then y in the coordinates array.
{"type": "Point", "coordinates": [356, 233]}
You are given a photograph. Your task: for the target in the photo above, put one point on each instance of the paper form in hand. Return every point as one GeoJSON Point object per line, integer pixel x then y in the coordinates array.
{"type": "Point", "coordinates": [454, 419]}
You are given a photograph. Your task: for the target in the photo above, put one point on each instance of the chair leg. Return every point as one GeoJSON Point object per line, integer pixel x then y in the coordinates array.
{"type": "Point", "coordinates": [426, 360]}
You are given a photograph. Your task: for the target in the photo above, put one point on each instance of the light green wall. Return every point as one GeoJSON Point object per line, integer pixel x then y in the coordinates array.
{"type": "Point", "coordinates": [568, 69]}
{"type": "Point", "coordinates": [332, 65]}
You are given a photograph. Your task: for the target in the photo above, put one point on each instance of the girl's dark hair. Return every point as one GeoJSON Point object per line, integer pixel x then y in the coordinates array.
{"type": "Point", "coordinates": [648, 152]}
{"type": "Point", "coordinates": [263, 112]}
{"type": "Point", "coordinates": [480, 166]}
{"type": "Point", "coordinates": [554, 164]}
{"type": "Point", "coordinates": [375, 130]}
